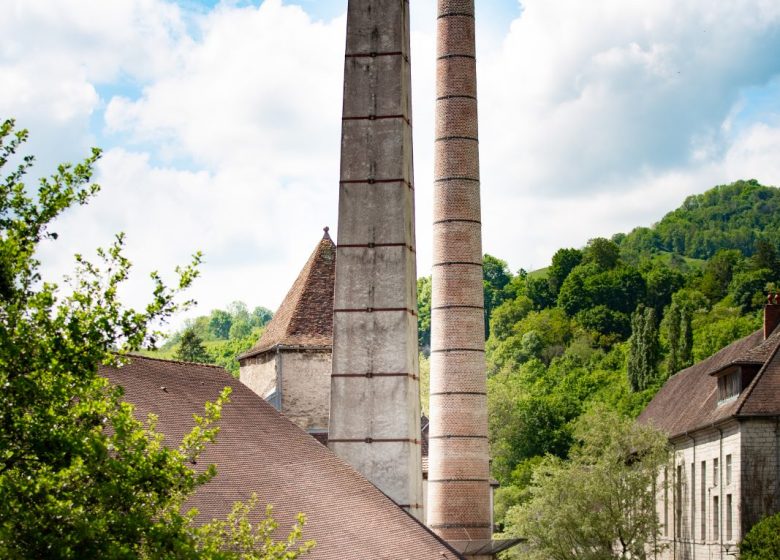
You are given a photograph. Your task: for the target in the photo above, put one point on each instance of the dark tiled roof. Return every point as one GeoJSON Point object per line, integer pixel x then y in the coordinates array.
{"type": "Point", "coordinates": [258, 450]}
{"type": "Point", "coordinates": [305, 317]}
{"type": "Point", "coordinates": [689, 399]}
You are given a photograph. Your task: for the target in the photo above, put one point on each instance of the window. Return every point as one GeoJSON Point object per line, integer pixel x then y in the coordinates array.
{"type": "Point", "coordinates": [729, 386]}
{"type": "Point", "coordinates": [728, 517]}
{"type": "Point", "coordinates": [714, 472]}
{"type": "Point", "coordinates": [703, 499]}
{"type": "Point", "coordinates": [693, 501]}
{"type": "Point", "coordinates": [678, 503]}
{"type": "Point", "coordinates": [728, 469]}
{"type": "Point", "coordinates": [715, 519]}
{"type": "Point", "coordinates": [666, 502]}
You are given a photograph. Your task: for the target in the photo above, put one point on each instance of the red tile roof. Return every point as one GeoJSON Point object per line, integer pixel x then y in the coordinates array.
{"type": "Point", "coordinates": [689, 399]}
{"type": "Point", "coordinates": [305, 317]}
{"type": "Point", "coordinates": [259, 450]}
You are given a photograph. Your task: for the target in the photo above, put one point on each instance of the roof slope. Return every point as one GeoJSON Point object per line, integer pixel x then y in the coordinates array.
{"type": "Point", "coordinates": [305, 317]}
{"type": "Point", "coordinates": [259, 450]}
{"type": "Point", "coordinates": [689, 399]}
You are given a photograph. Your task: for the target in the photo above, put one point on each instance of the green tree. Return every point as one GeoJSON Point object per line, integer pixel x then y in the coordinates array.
{"type": "Point", "coordinates": [261, 316]}
{"type": "Point", "coordinates": [563, 262]}
{"type": "Point", "coordinates": [762, 542]}
{"type": "Point", "coordinates": [191, 349]}
{"type": "Point", "coordinates": [424, 314]}
{"type": "Point", "coordinates": [80, 476]}
{"type": "Point", "coordinates": [495, 277]}
{"type": "Point", "coordinates": [219, 324]}
{"type": "Point", "coordinates": [602, 252]}
{"type": "Point", "coordinates": [643, 349]}
{"type": "Point", "coordinates": [601, 503]}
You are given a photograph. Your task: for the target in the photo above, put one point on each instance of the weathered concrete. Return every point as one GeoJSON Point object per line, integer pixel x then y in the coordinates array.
{"type": "Point", "coordinates": [458, 481]}
{"type": "Point", "coordinates": [299, 379]}
{"type": "Point", "coordinates": [375, 404]}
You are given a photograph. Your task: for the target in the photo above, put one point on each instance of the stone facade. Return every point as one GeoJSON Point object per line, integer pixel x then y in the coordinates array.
{"type": "Point", "coordinates": [722, 480]}
{"type": "Point", "coordinates": [296, 381]}
{"type": "Point", "coordinates": [723, 417]}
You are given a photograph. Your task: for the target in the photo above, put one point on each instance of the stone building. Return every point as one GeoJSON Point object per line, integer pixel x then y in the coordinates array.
{"type": "Point", "coordinates": [259, 451]}
{"type": "Point", "coordinates": [290, 365]}
{"type": "Point", "coordinates": [723, 420]}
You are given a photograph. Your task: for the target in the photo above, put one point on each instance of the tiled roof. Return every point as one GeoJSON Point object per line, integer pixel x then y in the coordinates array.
{"type": "Point", "coordinates": [689, 399]}
{"type": "Point", "coordinates": [259, 450]}
{"type": "Point", "coordinates": [305, 317]}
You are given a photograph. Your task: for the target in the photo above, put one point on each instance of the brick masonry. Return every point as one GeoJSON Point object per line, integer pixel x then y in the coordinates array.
{"type": "Point", "coordinates": [458, 476]}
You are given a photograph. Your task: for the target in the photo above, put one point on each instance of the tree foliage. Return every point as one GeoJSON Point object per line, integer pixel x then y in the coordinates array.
{"type": "Point", "coordinates": [191, 348]}
{"type": "Point", "coordinates": [601, 502]}
{"type": "Point", "coordinates": [80, 476]}
{"type": "Point", "coordinates": [762, 542]}
{"type": "Point", "coordinates": [643, 349]}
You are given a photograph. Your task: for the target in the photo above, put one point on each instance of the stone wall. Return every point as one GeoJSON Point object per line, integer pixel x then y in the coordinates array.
{"type": "Point", "coordinates": [306, 388]}
{"type": "Point", "coordinates": [747, 471]}
{"type": "Point", "coordinates": [259, 373]}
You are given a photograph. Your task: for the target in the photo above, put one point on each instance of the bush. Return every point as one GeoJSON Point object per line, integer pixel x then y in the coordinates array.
{"type": "Point", "coordinates": [762, 541]}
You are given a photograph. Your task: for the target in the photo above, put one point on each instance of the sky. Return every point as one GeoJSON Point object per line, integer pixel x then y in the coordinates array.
{"type": "Point", "coordinates": [220, 123]}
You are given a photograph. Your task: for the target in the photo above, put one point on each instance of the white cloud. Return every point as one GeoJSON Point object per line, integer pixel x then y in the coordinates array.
{"type": "Point", "coordinates": [223, 125]}
{"type": "Point", "coordinates": [597, 117]}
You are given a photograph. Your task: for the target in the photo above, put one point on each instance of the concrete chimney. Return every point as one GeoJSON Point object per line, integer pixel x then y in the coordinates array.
{"type": "Point", "coordinates": [458, 476]}
{"type": "Point", "coordinates": [771, 314]}
{"type": "Point", "coordinates": [375, 391]}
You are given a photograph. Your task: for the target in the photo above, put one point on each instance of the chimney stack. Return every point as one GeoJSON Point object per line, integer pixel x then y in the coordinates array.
{"type": "Point", "coordinates": [458, 478]}
{"type": "Point", "coordinates": [375, 392]}
{"type": "Point", "coordinates": [771, 314]}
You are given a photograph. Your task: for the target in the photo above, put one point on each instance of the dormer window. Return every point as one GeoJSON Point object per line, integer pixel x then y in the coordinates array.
{"type": "Point", "coordinates": [729, 385]}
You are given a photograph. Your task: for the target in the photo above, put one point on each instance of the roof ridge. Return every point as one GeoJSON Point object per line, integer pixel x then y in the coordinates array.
{"type": "Point", "coordinates": [290, 312]}
{"type": "Point", "coordinates": [757, 378]}
{"type": "Point", "coordinates": [171, 361]}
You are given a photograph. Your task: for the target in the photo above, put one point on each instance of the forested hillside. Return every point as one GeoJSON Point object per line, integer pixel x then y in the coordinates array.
{"type": "Point", "coordinates": [603, 324]}
{"type": "Point", "coordinates": [609, 322]}
{"type": "Point", "coordinates": [217, 338]}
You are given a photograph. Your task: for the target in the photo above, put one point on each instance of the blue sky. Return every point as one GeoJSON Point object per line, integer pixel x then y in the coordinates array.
{"type": "Point", "coordinates": [220, 122]}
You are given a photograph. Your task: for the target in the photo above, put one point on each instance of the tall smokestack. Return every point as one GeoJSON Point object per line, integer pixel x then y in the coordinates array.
{"type": "Point", "coordinates": [458, 477]}
{"type": "Point", "coordinates": [375, 394]}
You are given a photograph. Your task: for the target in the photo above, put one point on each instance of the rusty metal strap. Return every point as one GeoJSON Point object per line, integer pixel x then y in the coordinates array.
{"type": "Point", "coordinates": [478, 393]}
{"type": "Point", "coordinates": [452, 14]}
{"type": "Point", "coordinates": [376, 310]}
{"type": "Point", "coordinates": [411, 506]}
{"type": "Point", "coordinates": [377, 54]}
{"type": "Point", "coordinates": [375, 440]}
{"type": "Point", "coordinates": [371, 374]}
{"type": "Point", "coordinates": [445, 138]}
{"type": "Point", "coordinates": [378, 118]}
{"type": "Point", "coordinates": [372, 181]}
{"type": "Point", "coordinates": [457, 307]}
{"type": "Point", "coordinates": [373, 245]}
{"type": "Point", "coordinates": [456, 179]}
{"type": "Point", "coordinates": [448, 263]}
{"type": "Point", "coordinates": [456, 220]}
{"type": "Point", "coordinates": [448, 56]}
{"type": "Point", "coordinates": [459, 350]}
{"type": "Point", "coordinates": [459, 96]}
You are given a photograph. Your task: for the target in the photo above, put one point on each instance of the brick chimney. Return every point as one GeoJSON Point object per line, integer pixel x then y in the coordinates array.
{"type": "Point", "coordinates": [458, 476]}
{"type": "Point", "coordinates": [771, 313]}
